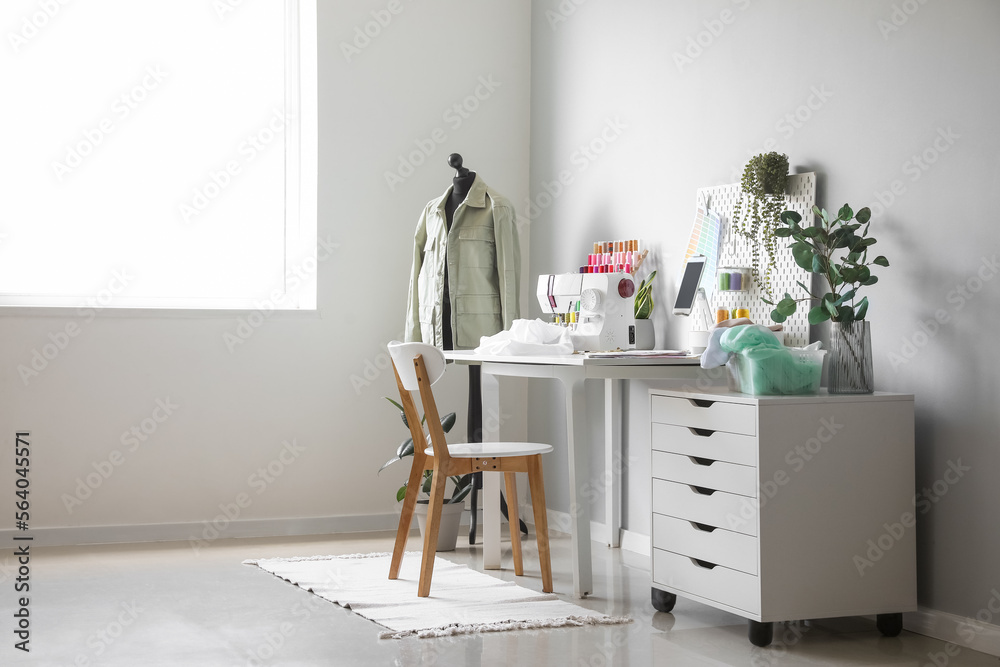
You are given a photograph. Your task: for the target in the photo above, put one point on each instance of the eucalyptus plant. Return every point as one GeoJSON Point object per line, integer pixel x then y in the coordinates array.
{"type": "Point", "coordinates": [763, 184]}
{"type": "Point", "coordinates": [837, 250]}
{"type": "Point", "coordinates": [463, 483]}
{"type": "Point", "coordinates": [644, 298]}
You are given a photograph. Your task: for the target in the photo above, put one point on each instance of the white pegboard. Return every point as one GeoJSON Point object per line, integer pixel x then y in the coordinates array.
{"type": "Point", "coordinates": [736, 253]}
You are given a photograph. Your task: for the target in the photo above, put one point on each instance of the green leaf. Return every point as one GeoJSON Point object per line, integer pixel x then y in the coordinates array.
{"type": "Point", "coordinates": [818, 314]}
{"type": "Point", "coordinates": [819, 264]}
{"type": "Point", "coordinates": [463, 485]}
{"type": "Point", "coordinates": [812, 232]}
{"type": "Point", "coordinates": [790, 218]}
{"type": "Point", "coordinates": [849, 274]}
{"type": "Point", "coordinates": [864, 215]}
{"type": "Point", "coordinates": [835, 273]}
{"type": "Point", "coordinates": [853, 257]}
{"type": "Point", "coordinates": [845, 297]}
{"type": "Point", "coordinates": [862, 309]}
{"type": "Point", "coordinates": [881, 261]}
{"type": "Point", "coordinates": [845, 314]}
{"type": "Point", "coordinates": [830, 308]}
{"type": "Point", "coordinates": [783, 232]}
{"type": "Point", "coordinates": [817, 211]}
{"type": "Point", "coordinates": [803, 254]}
{"type": "Point", "coordinates": [846, 213]}
{"type": "Point", "coordinates": [777, 317]}
{"type": "Point", "coordinates": [401, 493]}
{"type": "Point", "coordinates": [871, 281]}
{"type": "Point", "coordinates": [868, 242]}
{"type": "Point", "coordinates": [770, 303]}
{"type": "Point", "coordinates": [864, 273]}
{"type": "Point", "coordinates": [802, 285]}
{"type": "Point", "coordinates": [786, 306]}
{"type": "Point", "coordinates": [447, 422]}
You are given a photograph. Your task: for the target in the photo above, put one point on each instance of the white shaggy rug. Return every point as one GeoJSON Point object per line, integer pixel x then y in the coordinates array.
{"type": "Point", "coordinates": [462, 601]}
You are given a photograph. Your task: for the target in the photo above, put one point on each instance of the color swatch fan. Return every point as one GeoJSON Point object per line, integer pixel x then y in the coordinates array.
{"type": "Point", "coordinates": [705, 236]}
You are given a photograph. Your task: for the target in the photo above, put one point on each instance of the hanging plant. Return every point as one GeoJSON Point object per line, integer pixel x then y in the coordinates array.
{"type": "Point", "coordinates": [755, 215]}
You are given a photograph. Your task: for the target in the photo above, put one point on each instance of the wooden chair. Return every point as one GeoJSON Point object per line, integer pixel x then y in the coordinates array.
{"type": "Point", "coordinates": [417, 367]}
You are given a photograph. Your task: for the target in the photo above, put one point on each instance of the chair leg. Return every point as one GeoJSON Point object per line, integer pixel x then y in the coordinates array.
{"type": "Point", "coordinates": [431, 532]}
{"type": "Point", "coordinates": [537, 486]}
{"type": "Point", "coordinates": [406, 516]}
{"type": "Point", "coordinates": [515, 533]}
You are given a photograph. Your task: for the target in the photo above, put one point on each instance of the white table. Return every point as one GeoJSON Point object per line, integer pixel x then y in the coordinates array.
{"type": "Point", "coordinates": [572, 371]}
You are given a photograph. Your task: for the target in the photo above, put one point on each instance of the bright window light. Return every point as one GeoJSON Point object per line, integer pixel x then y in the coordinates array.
{"type": "Point", "coordinates": [160, 151]}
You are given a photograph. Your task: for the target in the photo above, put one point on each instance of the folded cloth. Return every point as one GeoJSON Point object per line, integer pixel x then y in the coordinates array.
{"type": "Point", "coordinates": [527, 337]}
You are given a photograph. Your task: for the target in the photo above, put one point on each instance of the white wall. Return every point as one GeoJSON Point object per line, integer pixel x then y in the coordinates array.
{"type": "Point", "coordinates": [292, 379]}
{"type": "Point", "coordinates": [879, 96]}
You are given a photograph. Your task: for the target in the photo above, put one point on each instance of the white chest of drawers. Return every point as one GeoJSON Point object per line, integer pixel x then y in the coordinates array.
{"type": "Point", "coordinates": [769, 507]}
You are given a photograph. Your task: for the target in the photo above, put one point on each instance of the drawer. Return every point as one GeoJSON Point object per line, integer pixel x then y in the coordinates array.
{"type": "Point", "coordinates": [711, 415]}
{"type": "Point", "coordinates": [714, 475]}
{"type": "Point", "coordinates": [719, 509]}
{"type": "Point", "coordinates": [715, 545]}
{"type": "Point", "coordinates": [718, 584]}
{"type": "Point", "coordinates": [716, 445]}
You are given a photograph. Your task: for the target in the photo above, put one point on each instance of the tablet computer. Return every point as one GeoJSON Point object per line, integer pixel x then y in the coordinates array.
{"type": "Point", "coordinates": [690, 282]}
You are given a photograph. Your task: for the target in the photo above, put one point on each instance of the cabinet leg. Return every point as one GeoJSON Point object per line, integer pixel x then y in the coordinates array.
{"type": "Point", "coordinates": [889, 625]}
{"type": "Point", "coordinates": [760, 634]}
{"type": "Point", "coordinates": [663, 601]}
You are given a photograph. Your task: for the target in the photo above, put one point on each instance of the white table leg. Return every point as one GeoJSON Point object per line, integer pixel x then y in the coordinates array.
{"type": "Point", "coordinates": [579, 474]}
{"type": "Point", "coordinates": [612, 460]}
{"type": "Point", "coordinates": [490, 499]}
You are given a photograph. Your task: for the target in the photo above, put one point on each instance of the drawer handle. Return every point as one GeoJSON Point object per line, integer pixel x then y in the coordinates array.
{"type": "Point", "coordinates": [705, 528]}
{"type": "Point", "coordinates": [701, 432]}
{"type": "Point", "coordinates": [701, 403]}
{"type": "Point", "coordinates": [701, 461]}
{"type": "Point", "coordinates": [704, 564]}
{"type": "Point", "coordinates": [701, 490]}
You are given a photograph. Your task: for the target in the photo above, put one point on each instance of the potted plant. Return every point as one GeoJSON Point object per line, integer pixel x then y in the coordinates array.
{"type": "Point", "coordinates": [451, 510]}
{"type": "Point", "coordinates": [837, 250]}
{"type": "Point", "coordinates": [763, 187]}
{"type": "Point", "coordinates": [645, 338]}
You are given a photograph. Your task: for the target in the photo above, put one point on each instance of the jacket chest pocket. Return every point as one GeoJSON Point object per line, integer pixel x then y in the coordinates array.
{"type": "Point", "coordinates": [478, 247]}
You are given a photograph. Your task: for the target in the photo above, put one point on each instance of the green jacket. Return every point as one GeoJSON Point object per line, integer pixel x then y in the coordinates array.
{"type": "Point", "coordinates": [484, 268]}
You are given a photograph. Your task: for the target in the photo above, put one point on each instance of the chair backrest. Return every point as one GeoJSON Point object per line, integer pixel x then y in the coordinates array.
{"type": "Point", "coordinates": [417, 367]}
{"type": "Point", "coordinates": [403, 355]}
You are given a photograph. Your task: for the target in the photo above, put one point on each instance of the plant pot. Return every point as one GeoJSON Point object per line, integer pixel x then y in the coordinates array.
{"type": "Point", "coordinates": [451, 517]}
{"type": "Point", "coordinates": [645, 336]}
{"type": "Point", "coordinates": [851, 358]}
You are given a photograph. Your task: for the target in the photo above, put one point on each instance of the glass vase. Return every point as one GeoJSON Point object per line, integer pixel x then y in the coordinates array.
{"type": "Point", "coordinates": [850, 370]}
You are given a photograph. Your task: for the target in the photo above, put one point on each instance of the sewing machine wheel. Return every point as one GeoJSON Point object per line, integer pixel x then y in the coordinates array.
{"type": "Point", "coordinates": [590, 300]}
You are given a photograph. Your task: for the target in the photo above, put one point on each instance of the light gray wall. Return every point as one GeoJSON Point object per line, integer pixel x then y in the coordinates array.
{"type": "Point", "coordinates": [292, 379]}
{"type": "Point", "coordinates": [884, 85]}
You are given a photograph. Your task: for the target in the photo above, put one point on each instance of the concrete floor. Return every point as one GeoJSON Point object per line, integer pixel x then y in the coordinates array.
{"type": "Point", "coordinates": [164, 604]}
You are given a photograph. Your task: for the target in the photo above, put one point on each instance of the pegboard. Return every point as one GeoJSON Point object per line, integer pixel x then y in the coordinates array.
{"type": "Point", "coordinates": [735, 252]}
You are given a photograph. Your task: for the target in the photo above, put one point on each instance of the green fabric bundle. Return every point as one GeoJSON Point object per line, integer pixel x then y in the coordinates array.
{"type": "Point", "coordinates": [764, 366]}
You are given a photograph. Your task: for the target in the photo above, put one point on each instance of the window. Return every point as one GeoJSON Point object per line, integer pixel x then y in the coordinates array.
{"type": "Point", "coordinates": [162, 152]}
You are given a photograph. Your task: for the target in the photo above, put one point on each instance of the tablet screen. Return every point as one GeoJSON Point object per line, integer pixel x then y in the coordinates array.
{"type": "Point", "coordinates": [689, 283]}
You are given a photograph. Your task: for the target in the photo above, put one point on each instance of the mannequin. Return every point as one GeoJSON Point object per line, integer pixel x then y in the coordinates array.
{"type": "Point", "coordinates": [464, 279]}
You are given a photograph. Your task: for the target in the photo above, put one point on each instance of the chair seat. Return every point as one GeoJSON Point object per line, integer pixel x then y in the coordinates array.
{"type": "Point", "coordinates": [475, 450]}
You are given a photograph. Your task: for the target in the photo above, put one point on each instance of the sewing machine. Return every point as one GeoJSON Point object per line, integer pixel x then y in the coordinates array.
{"type": "Point", "coordinates": [598, 308]}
